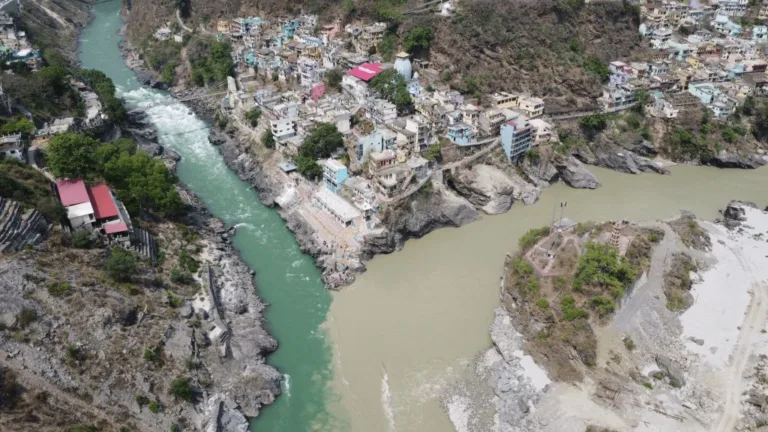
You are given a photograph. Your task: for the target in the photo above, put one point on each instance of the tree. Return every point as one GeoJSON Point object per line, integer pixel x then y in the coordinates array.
{"type": "Point", "coordinates": [308, 167]}
{"type": "Point", "coordinates": [73, 156]}
{"type": "Point", "coordinates": [19, 124]}
{"type": "Point", "coordinates": [596, 67]}
{"type": "Point", "coordinates": [593, 124]}
{"type": "Point", "coordinates": [56, 77]}
{"type": "Point", "coordinates": [103, 86]}
{"type": "Point", "coordinates": [392, 86]}
{"type": "Point", "coordinates": [760, 123]}
{"type": "Point", "coordinates": [121, 265]}
{"type": "Point", "coordinates": [322, 142]}
{"type": "Point", "coordinates": [183, 6]}
{"type": "Point", "coordinates": [333, 78]}
{"type": "Point", "coordinates": [143, 183]}
{"type": "Point", "coordinates": [81, 239]}
{"type": "Point", "coordinates": [418, 39]}
{"type": "Point", "coordinates": [268, 139]}
{"type": "Point", "coordinates": [253, 116]}
{"type": "Point", "coordinates": [181, 389]}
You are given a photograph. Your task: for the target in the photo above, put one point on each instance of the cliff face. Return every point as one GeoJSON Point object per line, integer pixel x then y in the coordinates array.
{"type": "Point", "coordinates": [55, 24]}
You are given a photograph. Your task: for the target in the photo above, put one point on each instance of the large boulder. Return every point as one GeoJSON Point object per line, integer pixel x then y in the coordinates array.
{"type": "Point", "coordinates": [492, 190]}
{"type": "Point", "coordinates": [735, 213]}
{"type": "Point", "coordinates": [575, 175]}
{"type": "Point", "coordinates": [730, 160]}
{"type": "Point", "coordinates": [540, 171]}
{"type": "Point", "coordinates": [618, 159]}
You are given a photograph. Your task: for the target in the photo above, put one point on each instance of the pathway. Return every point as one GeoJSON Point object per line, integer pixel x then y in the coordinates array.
{"type": "Point", "coordinates": [181, 22]}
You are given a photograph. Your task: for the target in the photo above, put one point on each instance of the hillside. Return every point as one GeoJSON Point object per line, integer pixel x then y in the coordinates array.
{"type": "Point", "coordinates": [545, 47]}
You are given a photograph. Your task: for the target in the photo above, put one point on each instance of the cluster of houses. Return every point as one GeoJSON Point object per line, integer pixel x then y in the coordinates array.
{"type": "Point", "coordinates": [95, 208]}
{"type": "Point", "coordinates": [387, 149]}
{"type": "Point", "coordinates": [14, 45]}
{"type": "Point", "coordinates": [712, 55]}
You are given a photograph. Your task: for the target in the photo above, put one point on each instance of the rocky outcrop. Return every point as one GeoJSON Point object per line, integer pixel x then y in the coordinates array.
{"type": "Point", "coordinates": [492, 190]}
{"type": "Point", "coordinates": [574, 174]}
{"type": "Point", "coordinates": [515, 392]}
{"type": "Point", "coordinates": [730, 160]}
{"type": "Point", "coordinates": [541, 171]}
{"type": "Point", "coordinates": [426, 212]}
{"type": "Point", "coordinates": [735, 213]}
{"type": "Point", "coordinates": [618, 159]}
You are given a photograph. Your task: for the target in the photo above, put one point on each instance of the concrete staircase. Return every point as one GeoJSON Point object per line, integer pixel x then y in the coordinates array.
{"type": "Point", "coordinates": [18, 229]}
{"type": "Point", "coordinates": [144, 244]}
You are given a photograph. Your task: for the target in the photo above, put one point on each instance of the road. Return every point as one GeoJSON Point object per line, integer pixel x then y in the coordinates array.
{"type": "Point", "coordinates": [754, 322]}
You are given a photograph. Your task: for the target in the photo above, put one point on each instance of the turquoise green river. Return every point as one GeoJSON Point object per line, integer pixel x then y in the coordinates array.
{"type": "Point", "coordinates": [285, 278]}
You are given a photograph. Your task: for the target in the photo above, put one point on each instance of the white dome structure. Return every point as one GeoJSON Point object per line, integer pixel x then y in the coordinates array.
{"type": "Point", "coordinates": [403, 66]}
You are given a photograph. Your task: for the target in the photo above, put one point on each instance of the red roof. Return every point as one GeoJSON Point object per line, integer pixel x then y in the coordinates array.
{"type": "Point", "coordinates": [102, 202]}
{"type": "Point", "coordinates": [115, 228]}
{"type": "Point", "coordinates": [72, 192]}
{"type": "Point", "coordinates": [366, 71]}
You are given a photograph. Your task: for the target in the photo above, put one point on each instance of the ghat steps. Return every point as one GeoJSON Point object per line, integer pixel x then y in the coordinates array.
{"type": "Point", "coordinates": [17, 228]}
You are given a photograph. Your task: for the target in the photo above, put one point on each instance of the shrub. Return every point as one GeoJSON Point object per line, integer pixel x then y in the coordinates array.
{"type": "Point", "coordinates": [601, 267]}
{"type": "Point", "coordinates": [333, 78]}
{"type": "Point", "coordinates": [174, 301]}
{"type": "Point", "coordinates": [533, 285]}
{"type": "Point", "coordinates": [531, 237]}
{"type": "Point", "coordinates": [570, 311]}
{"type": "Point", "coordinates": [594, 123]}
{"type": "Point", "coordinates": [629, 344]}
{"type": "Point", "coordinates": [648, 385]}
{"type": "Point", "coordinates": [121, 265]}
{"type": "Point", "coordinates": [268, 139]}
{"type": "Point", "coordinates": [150, 354]}
{"type": "Point", "coordinates": [181, 389]}
{"type": "Point", "coordinates": [58, 289]}
{"type": "Point", "coordinates": [26, 317]}
{"type": "Point", "coordinates": [253, 116]}
{"type": "Point", "coordinates": [181, 277]}
{"type": "Point", "coordinates": [542, 303]}
{"type": "Point", "coordinates": [603, 305]}
{"type": "Point", "coordinates": [154, 406]}
{"type": "Point", "coordinates": [141, 400]}
{"type": "Point", "coordinates": [175, 428]}
{"type": "Point", "coordinates": [418, 39]}
{"type": "Point", "coordinates": [81, 239]}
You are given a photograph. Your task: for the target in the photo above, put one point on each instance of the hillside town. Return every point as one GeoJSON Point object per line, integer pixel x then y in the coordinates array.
{"type": "Point", "coordinates": [401, 126]}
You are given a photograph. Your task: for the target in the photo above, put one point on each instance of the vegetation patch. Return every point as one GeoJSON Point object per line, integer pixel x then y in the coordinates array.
{"type": "Point", "coordinates": [678, 283]}
{"type": "Point", "coordinates": [57, 288]}
{"type": "Point", "coordinates": [691, 233]}
{"type": "Point", "coordinates": [531, 237]}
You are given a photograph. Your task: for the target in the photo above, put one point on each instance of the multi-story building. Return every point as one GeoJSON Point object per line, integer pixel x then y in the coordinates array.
{"type": "Point", "coordinates": [490, 121]}
{"type": "Point", "coordinates": [382, 111]}
{"type": "Point", "coordinates": [542, 131]}
{"type": "Point", "coordinates": [731, 7]}
{"type": "Point", "coordinates": [502, 100]}
{"type": "Point", "coordinates": [516, 137]}
{"type": "Point", "coordinates": [617, 96]}
{"type": "Point", "coordinates": [461, 134]}
{"type": "Point", "coordinates": [705, 92]}
{"type": "Point", "coordinates": [377, 141]}
{"type": "Point", "coordinates": [532, 106]}
{"type": "Point", "coordinates": [334, 174]}
{"type": "Point", "coordinates": [369, 37]}
{"type": "Point", "coordinates": [11, 146]}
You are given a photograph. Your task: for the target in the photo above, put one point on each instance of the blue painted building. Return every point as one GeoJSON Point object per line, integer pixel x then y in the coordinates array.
{"type": "Point", "coordinates": [460, 134]}
{"type": "Point", "coordinates": [706, 92]}
{"type": "Point", "coordinates": [377, 141]}
{"type": "Point", "coordinates": [334, 174]}
{"type": "Point", "coordinates": [516, 137]}
{"type": "Point", "coordinates": [760, 33]}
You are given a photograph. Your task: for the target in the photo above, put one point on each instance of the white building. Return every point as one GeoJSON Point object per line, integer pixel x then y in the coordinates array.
{"type": "Point", "coordinates": [543, 132]}
{"type": "Point", "coordinates": [11, 146]}
{"type": "Point", "coordinates": [341, 210]}
{"type": "Point", "coordinates": [532, 106]}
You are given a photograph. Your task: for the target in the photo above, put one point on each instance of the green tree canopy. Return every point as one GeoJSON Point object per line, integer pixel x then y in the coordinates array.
{"type": "Point", "coordinates": [333, 78]}
{"type": "Point", "coordinates": [16, 125]}
{"type": "Point", "coordinates": [73, 156]}
{"type": "Point", "coordinates": [121, 265]}
{"type": "Point", "coordinates": [268, 139]}
{"type": "Point", "coordinates": [322, 141]}
{"type": "Point", "coordinates": [103, 86]}
{"type": "Point", "coordinates": [253, 116]}
{"type": "Point", "coordinates": [392, 86]}
{"type": "Point", "coordinates": [418, 39]}
{"type": "Point", "coordinates": [143, 183]}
